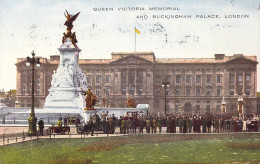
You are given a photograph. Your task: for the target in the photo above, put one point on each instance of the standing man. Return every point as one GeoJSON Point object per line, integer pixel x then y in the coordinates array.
{"type": "Point", "coordinates": [141, 124]}
{"type": "Point", "coordinates": [160, 122]}
{"type": "Point", "coordinates": [65, 121]}
{"type": "Point", "coordinates": [41, 126]}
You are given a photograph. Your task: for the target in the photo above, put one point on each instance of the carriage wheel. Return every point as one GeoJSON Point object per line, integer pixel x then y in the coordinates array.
{"type": "Point", "coordinates": [48, 131]}
{"type": "Point", "coordinates": [79, 130]}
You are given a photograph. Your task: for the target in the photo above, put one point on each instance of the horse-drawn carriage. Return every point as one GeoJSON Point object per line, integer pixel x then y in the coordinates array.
{"type": "Point", "coordinates": [252, 126]}
{"type": "Point", "coordinates": [58, 130]}
{"type": "Point", "coordinates": [95, 124]}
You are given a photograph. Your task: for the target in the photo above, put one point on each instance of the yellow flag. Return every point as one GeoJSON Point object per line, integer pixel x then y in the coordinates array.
{"type": "Point", "coordinates": [137, 31]}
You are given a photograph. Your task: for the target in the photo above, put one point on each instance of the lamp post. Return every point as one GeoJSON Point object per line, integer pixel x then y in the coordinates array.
{"type": "Point", "coordinates": [32, 119]}
{"type": "Point", "coordinates": [165, 84]}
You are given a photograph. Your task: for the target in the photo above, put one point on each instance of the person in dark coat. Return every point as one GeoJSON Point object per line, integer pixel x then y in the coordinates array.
{"type": "Point", "coordinates": [184, 130]}
{"type": "Point", "coordinates": [141, 125]}
{"type": "Point", "coordinates": [208, 119]}
{"type": "Point", "coordinates": [65, 121]}
{"type": "Point", "coordinates": [204, 125]}
{"type": "Point", "coordinates": [41, 126]}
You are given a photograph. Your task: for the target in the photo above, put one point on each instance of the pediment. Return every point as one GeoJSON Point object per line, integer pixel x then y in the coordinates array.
{"type": "Point", "coordinates": [241, 60]}
{"type": "Point", "coordinates": [131, 60]}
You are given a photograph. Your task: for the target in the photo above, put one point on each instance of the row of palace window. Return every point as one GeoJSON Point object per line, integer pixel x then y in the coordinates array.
{"type": "Point", "coordinates": [106, 91]}
{"type": "Point", "coordinates": [239, 91]}
{"type": "Point", "coordinates": [197, 108]}
{"type": "Point", "coordinates": [188, 79]}
{"type": "Point", "coordinates": [29, 91]}
{"type": "Point", "coordinates": [239, 78]}
{"type": "Point", "coordinates": [198, 91]}
{"type": "Point", "coordinates": [208, 91]}
{"type": "Point", "coordinates": [26, 79]}
{"type": "Point", "coordinates": [131, 90]}
{"type": "Point", "coordinates": [99, 78]}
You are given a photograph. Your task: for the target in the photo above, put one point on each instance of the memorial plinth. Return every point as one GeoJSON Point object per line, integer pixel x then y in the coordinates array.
{"type": "Point", "coordinates": [67, 82]}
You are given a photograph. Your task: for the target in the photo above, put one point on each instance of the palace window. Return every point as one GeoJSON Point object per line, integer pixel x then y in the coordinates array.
{"type": "Point", "coordinates": [167, 107]}
{"type": "Point", "coordinates": [207, 108]}
{"type": "Point", "coordinates": [239, 90]}
{"type": "Point", "coordinates": [167, 91]}
{"type": "Point", "coordinates": [24, 78]}
{"type": "Point", "coordinates": [208, 78]}
{"type": "Point", "coordinates": [157, 91]}
{"type": "Point", "coordinates": [208, 91]}
{"type": "Point", "coordinates": [218, 78]}
{"type": "Point", "coordinates": [198, 79]}
{"type": "Point", "coordinates": [107, 91]}
{"type": "Point", "coordinates": [231, 91]}
{"type": "Point", "coordinates": [247, 91]}
{"type": "Point", "coordinates": [139, 76]}
{"type": "Point", "coordinates": [240, 78]}
{"type": "Point", "coordinates": [89, 79]}
{"type": "Point", "coordinates": [197, 108]}
{"type": "Point", "coordinates": [38, 90]}
{"type": "Point", "coordinates": [187, 91]}
{"type": "Point", "coordinates": [168, 78]}
{"type": "Point", "coordinates": [188, 79]}
{"type": "Point", "coordinates": [123, 91]}
{"type": "Point", "coordinates": [132, 79]}
{"type": "Point", "coordinates": [231, 78]}
{"type": "Point", "coordinates": [218, 108]}
{"type": "Point", "coordinates": [218, 91]}
{"type": "Point", "coordinates": [38, 79]}
{"type": "Point", "coordinates": [123, 79]}
{"type": "Point", "coordinates": [178, 91]}
{"type": "Point", "coordinates": [248, 77]}
{"type": "Point", "coordinates": [107, 79]}
{"type": "Point", "coordinates": [98, 79]}
{"type": "Point", "coordinates": [140, 90]}
{"type": "Point", "coordinates": [98, 91]}
{"type": "Point", "coordinates": [158, 79]}
{"type": "Point", "coordinates": [23, 91]}
{"type": "Point", "coordinates": [197, 91]}
{"type": "Point", "coordinates": [131, 90]}
{"type": "Point", "coordinates": [178, 79]}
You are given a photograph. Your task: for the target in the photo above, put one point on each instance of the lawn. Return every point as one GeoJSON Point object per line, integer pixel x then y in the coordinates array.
{"type": "Point", "coordinates": [181, 148]}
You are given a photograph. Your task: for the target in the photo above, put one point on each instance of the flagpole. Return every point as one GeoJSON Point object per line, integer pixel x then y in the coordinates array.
{"type": "Point", "coordinates": [135, 38]}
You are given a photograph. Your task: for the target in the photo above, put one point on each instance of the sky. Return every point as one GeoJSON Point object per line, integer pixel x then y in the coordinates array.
{"type": "Point", "coordinates": [28, 25]}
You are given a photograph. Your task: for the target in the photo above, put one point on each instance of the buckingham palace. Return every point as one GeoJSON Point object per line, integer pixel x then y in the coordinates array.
{"type": "Point", "coordinates": [195, 84]}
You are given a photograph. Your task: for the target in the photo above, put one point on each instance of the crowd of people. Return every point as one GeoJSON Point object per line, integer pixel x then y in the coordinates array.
{"type": "Point", "coordinates": [189, 123]}
{"type": "Point", "coordinates": [173, 123]}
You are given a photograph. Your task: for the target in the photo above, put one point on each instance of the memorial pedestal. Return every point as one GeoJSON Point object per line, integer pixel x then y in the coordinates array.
{"type": "Point", "coordinates": [67, 82]}
{"type": "Point", "coordinates": [86, 114]}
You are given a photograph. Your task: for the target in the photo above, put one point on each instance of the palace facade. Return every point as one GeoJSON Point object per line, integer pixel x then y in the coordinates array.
{"type": "Point", "coordinates": [195, 84]}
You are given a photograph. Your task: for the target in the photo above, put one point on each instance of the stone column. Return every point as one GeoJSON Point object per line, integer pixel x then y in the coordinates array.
{"type": "Point", "coordinates": [203, 80]}
{"type": "Point", "coordinates": [145, 82]}
{"type": "Point", "coordinates": [136, 82]}
{"type": "Point", "coordinates": [19, 82]}
{"type": "Point", "coordinates": [244, 83]}
{"type": "Point", "coordinates": [235, 83]}
{"type": "Point", "coordinates": [119, 81]}
{"type": "Point", "coordinates": [127, 82]}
